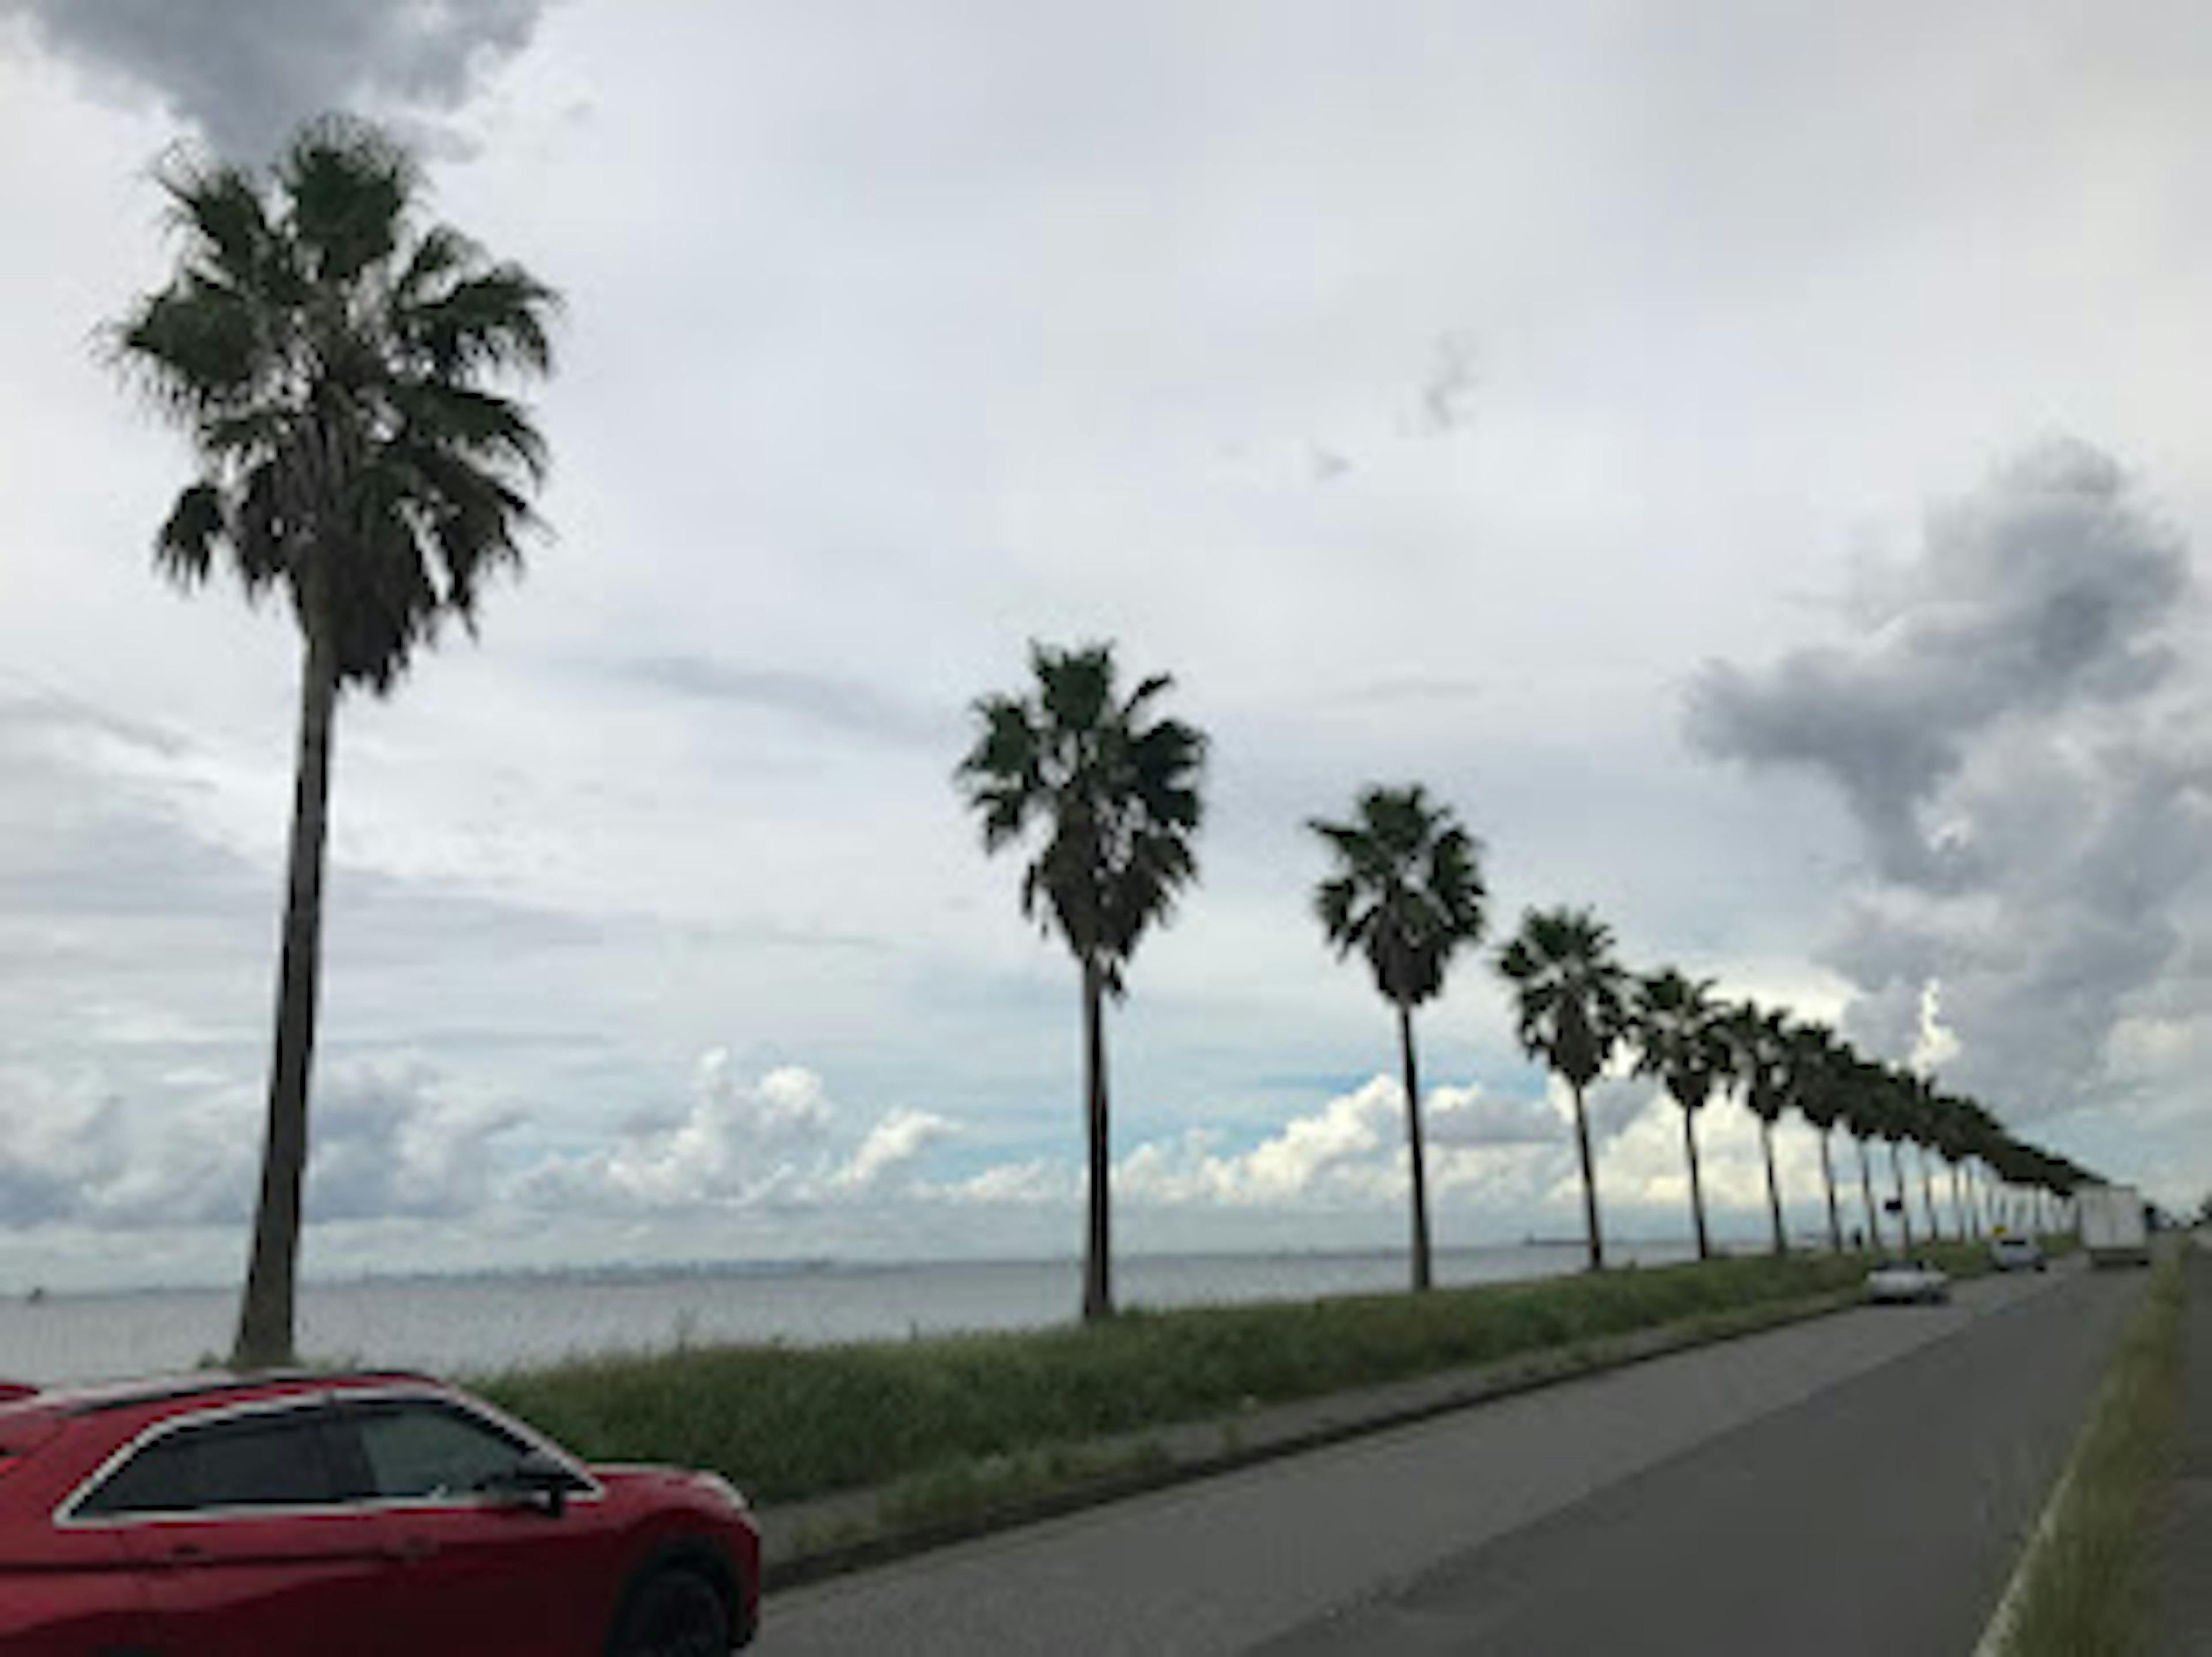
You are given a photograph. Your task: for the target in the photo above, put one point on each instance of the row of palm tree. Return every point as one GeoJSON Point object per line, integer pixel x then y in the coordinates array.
{"type": "Point", "coordinates": [1116, 792]}
{"type": "Point", "coordinates": [333, 358]}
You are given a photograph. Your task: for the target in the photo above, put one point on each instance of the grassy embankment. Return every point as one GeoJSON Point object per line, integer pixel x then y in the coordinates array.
{"type": "Point", "coordinates": [2084, 1591]}
{"type": "Point", "coordinates": [958, 1421]}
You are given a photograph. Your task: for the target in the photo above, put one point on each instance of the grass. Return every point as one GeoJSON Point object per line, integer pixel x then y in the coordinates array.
{"type": "Point", "coordinates": [961, 1413]}
{"type": "Point", "coordinates": [2084, 1592]}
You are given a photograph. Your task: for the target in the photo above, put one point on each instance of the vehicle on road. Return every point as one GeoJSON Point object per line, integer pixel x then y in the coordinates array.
{"type": "Point", "coordinates": [1908, 1283]}
{"type": "Point", "coordinates": [2114, 1230]}
{"type": "Point", "coordinates": [348, 1514]}
{"type": "Point", "coordinates": [2013, 1253]}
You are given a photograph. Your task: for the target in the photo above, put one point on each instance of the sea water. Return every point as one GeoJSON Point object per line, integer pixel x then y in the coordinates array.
{"type": "Point", "coordinates": [466, 1325]}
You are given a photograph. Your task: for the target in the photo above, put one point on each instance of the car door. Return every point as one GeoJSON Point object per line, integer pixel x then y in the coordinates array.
{"type": "Point", "coordinates": [65, 1591]}
{"type": "Point", "coordinates": [233, 1522]}
{"type": "Point", "coordinates": [482, 1570]}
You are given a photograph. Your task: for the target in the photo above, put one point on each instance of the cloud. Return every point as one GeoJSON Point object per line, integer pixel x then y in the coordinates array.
{"type": "Point", "coordinates": [776, 1141]}
{"type": "Point", "coordinates": [1468, 1116]}
{"type": "Point", "coordinates": [390, 1141]}
{"type": "Point", "coordinates": [2029, 768]}
{"type": "Point", "coordinates": [2050, 590]}
{"type": "Point", "coordinates": [851, 706]}
{"type": "Point", "coordinates": [1351, 1152]}
{"type": "Point", "coordinates": [1614, 1103]}
{"type": "Point", "coordinates": [892, 1145]}
{"type": "Point", "coordinates": [1448, 391]}
{"type": "Point", "coordinates": [737, 1143]}
{"type": "Point", "coordinates": [1038, 1183]}
{"type": "Point", "coordinates": [245, 72]}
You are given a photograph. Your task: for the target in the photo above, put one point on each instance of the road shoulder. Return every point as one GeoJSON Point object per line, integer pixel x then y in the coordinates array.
{"type": "Point", "coordinates": [2182, 1528]}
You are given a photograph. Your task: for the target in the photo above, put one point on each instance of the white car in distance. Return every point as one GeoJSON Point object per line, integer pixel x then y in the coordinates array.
{"type": "Point", "coordinates": [1908, 1283]}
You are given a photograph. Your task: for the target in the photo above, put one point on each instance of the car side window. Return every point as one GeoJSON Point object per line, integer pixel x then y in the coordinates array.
{"type": "Point", "coordinates": [418, 1449]}
{"type": "Point", "coordinates": [264, 1460]}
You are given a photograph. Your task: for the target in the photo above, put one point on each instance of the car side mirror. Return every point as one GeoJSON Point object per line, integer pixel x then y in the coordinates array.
{"type": "Point", "coordinates": [539, 1480]}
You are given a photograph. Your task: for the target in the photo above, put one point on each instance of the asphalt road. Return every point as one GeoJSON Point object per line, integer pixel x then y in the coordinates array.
{"type": "Point", "coordinates": [1858, 1484]}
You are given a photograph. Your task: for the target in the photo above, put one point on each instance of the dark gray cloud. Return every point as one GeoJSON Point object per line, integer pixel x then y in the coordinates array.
{"type": "Point", "coordinates": [2011, 727]}
{"type": "Point", "coordinates": [245, 72]}
{"type": "Point", "coordinates": [2051, 589]}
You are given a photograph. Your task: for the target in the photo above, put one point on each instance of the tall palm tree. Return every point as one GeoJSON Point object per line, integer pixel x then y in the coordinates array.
{"type": "Point", "coordinates": [1760, 1043]}
{"type": "Point", "coordinates": [1408, 893]}
{"type": "Point", "coordinates": [1676, 1026]}
{"type": "Point", "coordinates": [328, 352]}
{"type": "Point", "coordinates": [1114, 790]}
{"type": "Point", "coordinates": [1571, 1010]}
{"type": "Point", "coordinates": [1816, 1070]}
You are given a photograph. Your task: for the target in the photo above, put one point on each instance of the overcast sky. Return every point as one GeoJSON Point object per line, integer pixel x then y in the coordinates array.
{"type": "Point", "coordinates": [1747, 457]}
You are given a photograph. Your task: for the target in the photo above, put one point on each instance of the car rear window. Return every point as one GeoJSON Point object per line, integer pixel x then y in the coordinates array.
{"type": "Point", "coordinates": [267, 1459]}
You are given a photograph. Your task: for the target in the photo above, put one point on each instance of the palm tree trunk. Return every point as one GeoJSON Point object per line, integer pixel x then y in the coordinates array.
{"type": "Point", "coordinates": [1928, 1195]}
{"type": "Point", "coordinates": [1415, 1158]}
{"type": "Point", "coordinates": [1959, 1205]}
{"type": "Point", "coordinates": [1099, 1250]}
{"type": "Point", "coordinates": [1904, 1208]}
{"type": "Point", "coordinates": [1773, 1187]}
{"type": "Point", "coordinates": [267, 1316]}
{"type": "Point", "coordinates": [1590, 1183]}
{"type": "Point", "coordinates": [1697, 1185]}
{"type": "Point", "coordinates": [1866, 1188]}
{"type": "Point", "coordinates": [1828, 1175]}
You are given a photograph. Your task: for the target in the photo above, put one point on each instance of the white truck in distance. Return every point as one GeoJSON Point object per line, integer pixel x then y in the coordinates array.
{"type": "Point", "coordinates": [2113, 1228]}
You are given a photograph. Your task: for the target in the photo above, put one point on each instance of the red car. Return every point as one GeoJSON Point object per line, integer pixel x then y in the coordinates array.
{"type": "Point", "coordinates": [340, 1515]}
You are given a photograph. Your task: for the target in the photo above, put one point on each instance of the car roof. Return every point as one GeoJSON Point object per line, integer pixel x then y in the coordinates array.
{"type": "Point", "coordinates": [20, 1402]}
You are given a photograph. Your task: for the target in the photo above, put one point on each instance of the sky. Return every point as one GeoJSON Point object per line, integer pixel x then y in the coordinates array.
{"type": "Point", "coordinates": [1743, 457]}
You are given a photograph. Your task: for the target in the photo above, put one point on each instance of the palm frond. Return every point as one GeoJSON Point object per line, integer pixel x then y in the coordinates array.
{"type": "Point", "coordinates": [495, 320]}
{"type": "Point", "coordinates": [350, 188]}
{"type": "Point", "coordinates": [184, 549]}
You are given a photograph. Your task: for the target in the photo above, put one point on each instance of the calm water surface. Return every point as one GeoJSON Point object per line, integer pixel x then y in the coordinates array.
{"type": "Point", "coordinates": [472, 1325]}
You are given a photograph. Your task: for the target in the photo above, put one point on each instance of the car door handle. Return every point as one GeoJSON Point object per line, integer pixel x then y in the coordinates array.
{"type": "Point", "coordinates": [184, 1553]}
{"type": "Point", "coordinates": [408, 1549]}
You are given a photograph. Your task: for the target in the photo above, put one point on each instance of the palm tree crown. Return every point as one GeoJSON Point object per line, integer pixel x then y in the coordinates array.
{"type": "Point", "coordinates": [1571, 996]}
{"type": "Point", "coordinates": [327, 354]}
{"type": "Point", "coordinates": [1408, 895]}
{"type": "Point", "coordinates": [1114, 790]}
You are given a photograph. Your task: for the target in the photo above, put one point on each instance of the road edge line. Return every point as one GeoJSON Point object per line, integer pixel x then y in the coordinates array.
{"type": "Point", "coordinates": [1996, 1634]}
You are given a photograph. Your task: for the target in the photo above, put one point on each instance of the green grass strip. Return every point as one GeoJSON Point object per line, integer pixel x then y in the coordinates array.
{"type": "Point", "coordinates": [2083, 1591]}
{"type": "Point", "coordinates": [787, 1422]}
